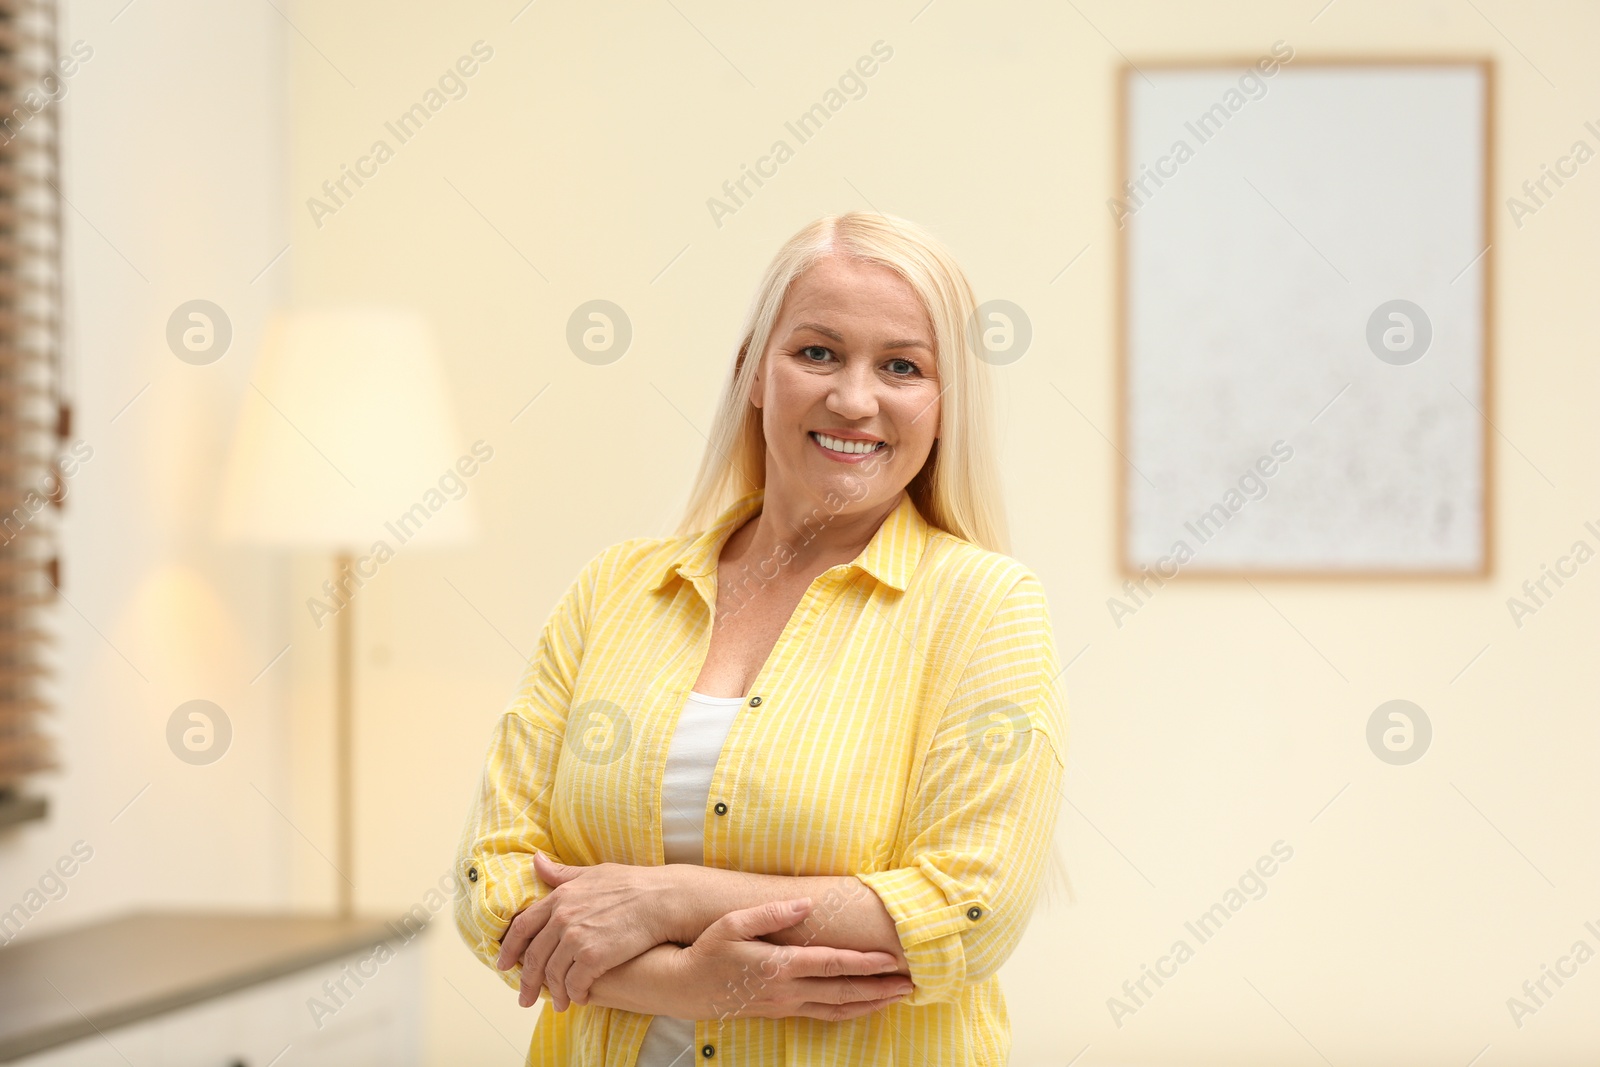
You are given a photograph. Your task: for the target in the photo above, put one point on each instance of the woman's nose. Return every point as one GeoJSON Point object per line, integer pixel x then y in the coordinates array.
{"type": "Point", "coordinates": [854, 395]}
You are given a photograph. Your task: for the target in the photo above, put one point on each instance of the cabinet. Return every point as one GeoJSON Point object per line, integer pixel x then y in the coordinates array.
{"type": "Point", "coordinates": [223, 991]}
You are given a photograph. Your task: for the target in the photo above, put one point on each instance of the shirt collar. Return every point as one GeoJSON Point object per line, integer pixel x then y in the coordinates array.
{"type": "Point", "coordinates": [891, 556]}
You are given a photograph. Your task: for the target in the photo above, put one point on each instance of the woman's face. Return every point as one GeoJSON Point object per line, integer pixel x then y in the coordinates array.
{"type": "Point", "coordinates": [850, 359]}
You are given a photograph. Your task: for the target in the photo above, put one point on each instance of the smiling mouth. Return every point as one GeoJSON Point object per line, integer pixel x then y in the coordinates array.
{"type": "Point", "coordinates": [847, 448]}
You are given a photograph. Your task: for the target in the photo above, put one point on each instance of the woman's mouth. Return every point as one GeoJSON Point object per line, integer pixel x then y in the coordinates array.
{"type": "Point", "coordinates": [845, 451]}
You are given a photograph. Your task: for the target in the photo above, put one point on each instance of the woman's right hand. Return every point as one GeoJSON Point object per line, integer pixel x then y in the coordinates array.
{"type": "Point", "coordinates": [730, 971]}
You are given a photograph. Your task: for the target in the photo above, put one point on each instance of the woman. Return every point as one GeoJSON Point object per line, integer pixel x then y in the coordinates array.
{"type": "Point", "coordinates": [806, 827]}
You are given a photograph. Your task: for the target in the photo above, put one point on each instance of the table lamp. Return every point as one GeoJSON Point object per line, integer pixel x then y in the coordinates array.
{"type": "Point", "coordinates": [344, 429]}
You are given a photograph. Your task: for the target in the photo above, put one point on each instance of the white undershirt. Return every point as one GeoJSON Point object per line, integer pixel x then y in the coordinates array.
{"type": "Point", "coordinates": [685, 791]}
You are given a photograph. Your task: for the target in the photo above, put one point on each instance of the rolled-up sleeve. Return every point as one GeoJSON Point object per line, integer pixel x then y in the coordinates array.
{"type": "Point", "coordinates": [510, 815]}
{"type": "Point", "coordinates": [983, 814]}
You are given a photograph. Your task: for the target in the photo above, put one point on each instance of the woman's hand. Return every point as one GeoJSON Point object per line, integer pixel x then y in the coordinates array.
{"type": "Point", "coordinates": [730, 971]}
{"type": "Point", "coordinates": [592, 920]}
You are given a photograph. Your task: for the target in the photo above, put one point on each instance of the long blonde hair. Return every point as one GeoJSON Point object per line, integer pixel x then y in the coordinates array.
{"type": "Point", "coordinates": [958, 487]}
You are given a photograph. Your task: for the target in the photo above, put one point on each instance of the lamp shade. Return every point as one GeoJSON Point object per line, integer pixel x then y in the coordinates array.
{"type": "Point", "coordinates": [345, 438]}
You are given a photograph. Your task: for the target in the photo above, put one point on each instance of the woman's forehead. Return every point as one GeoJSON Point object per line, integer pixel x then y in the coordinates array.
{"type": "Point", "coordinates": [849, 298]}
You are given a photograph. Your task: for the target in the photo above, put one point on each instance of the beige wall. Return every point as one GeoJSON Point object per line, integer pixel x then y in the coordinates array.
{"type": "Point", "coordinates": [578, 165]}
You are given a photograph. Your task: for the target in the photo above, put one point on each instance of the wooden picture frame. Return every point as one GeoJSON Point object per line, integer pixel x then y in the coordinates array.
{"type": "Point", "coordinates": [1450, 101]}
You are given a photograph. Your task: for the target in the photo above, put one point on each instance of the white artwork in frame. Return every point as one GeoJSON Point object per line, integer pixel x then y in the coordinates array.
{"type": "Point", "coordinates": [1305, 317]}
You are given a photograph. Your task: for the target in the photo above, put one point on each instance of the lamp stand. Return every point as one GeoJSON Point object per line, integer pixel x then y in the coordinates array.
{"type": "Point", "coordinates": [343, 716]}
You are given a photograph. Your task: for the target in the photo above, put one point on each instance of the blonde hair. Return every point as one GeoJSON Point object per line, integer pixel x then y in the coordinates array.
{"type": "Point", "coordinates": [958, 487]}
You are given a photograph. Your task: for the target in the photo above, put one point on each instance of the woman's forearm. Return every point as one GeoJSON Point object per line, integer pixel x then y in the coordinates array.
{"type": "Point", "coordinates": [643, 984]}
{"type": "Point", "coordinates": [845, 912]}
{"type": "Point", "coordinates": [721, 976]}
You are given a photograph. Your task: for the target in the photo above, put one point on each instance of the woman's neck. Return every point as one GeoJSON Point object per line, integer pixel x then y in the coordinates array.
{"type": "Point", "coordinates": [817, 536]}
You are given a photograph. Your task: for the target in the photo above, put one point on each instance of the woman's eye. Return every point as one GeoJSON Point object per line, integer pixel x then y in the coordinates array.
{"type": "Point", "coordinates": [903, 368]}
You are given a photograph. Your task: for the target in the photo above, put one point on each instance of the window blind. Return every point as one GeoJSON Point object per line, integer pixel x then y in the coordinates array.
{"type": "Point", "coordinates": [35, 419]}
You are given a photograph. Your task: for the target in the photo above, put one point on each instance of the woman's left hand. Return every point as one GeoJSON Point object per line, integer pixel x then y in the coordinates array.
{"type": "Point", "coordinates": [592, 920]}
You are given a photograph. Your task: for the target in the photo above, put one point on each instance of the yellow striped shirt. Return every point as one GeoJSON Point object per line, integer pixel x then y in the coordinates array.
{"type": "Point", "coordinates": [908, 728]}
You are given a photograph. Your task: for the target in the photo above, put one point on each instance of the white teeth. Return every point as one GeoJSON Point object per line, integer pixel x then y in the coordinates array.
{"type": "Point", "coordinates": [834, 444]}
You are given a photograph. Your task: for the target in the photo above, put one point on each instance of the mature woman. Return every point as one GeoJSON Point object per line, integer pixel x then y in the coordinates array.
{"type": "Point", "coordinates": [780, 789]}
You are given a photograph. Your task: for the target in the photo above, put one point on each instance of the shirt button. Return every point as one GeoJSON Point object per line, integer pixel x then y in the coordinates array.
{"type": "Point", "coordinates": [974, 913]}
{"type": "Point", "coordinates": [472, 874]}
{"type": "Point", "coordinates": [708, 1051]}
{"type": "Point", "coordinates": [755, 702]}
{"type": "Point", "coordinates": [721, 808]}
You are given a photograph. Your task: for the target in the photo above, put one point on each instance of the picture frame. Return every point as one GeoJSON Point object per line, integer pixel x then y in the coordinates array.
{"type": "Point", "coordinates": [1239, 332]}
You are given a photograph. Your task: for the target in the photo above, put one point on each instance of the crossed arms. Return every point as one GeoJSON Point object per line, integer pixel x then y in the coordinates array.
{"type": "Point", "coordinates": [701, 942]}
